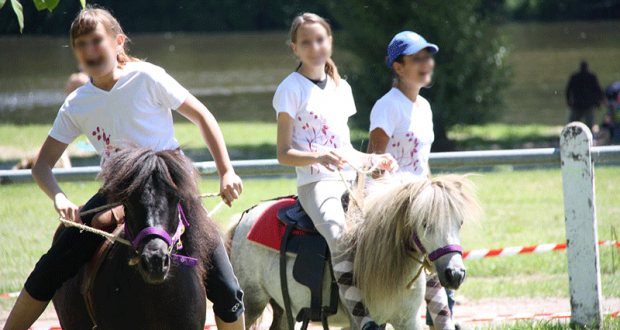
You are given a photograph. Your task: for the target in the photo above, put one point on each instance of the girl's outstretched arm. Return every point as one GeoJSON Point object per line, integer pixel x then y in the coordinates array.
{"type": "Point", "coordinates": [49, 154]}
{"type": "Point", "coordinates": [230, 183]}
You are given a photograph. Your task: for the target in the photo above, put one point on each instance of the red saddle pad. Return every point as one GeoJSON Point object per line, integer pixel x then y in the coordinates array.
{"type": "Point", "coordinates": [268, 229]}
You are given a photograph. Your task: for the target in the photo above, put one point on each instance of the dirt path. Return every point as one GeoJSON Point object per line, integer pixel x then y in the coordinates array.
{"type": "Point", "coordinates": [463, 309]}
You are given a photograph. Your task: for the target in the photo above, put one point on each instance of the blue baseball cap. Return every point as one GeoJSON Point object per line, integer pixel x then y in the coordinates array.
{"type": "Point", "coordinates": [407, 43]}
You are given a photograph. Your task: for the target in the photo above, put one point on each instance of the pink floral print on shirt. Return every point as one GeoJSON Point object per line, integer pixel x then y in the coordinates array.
{"type": "Point", "coordinates": [317, 133]}
{"type": "Point", "coordinates": [100, 134]}
{"type": "Point", "coordinates": [405, 153]}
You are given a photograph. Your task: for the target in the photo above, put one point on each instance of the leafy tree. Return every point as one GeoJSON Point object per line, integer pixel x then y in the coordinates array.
{"type": "Point", "coordinates": [470, 72]}
{"type": "Point", "coordinates": [158, 16]}
{"type": "Point", "coordinates": [39, 4]}
{"type": "Point", "coordinates": [560, 10]}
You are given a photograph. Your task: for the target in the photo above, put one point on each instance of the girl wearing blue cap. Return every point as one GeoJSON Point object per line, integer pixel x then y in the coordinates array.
{"type": "Point", "coordinates": [401, 123]}
{"type": "Point", "coordinates": [313, 105]}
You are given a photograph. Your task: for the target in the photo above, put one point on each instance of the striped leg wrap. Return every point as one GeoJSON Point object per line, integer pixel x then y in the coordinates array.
{"type": "Point", "coordinates": [437, 303]}
{"type": "Point", "coordinates": [343, 272]}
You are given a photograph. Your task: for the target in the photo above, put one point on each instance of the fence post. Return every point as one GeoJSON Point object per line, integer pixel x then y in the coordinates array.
{"type": "Point", "coordinates": [584, 277]}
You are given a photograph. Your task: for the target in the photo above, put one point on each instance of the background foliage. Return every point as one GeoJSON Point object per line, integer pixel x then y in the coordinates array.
{"type": "Point", "coordinates": [470, 71]}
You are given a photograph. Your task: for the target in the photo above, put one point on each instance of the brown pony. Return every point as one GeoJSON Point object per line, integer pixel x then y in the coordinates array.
{"type": "Point", "coordinates": [139, 287]}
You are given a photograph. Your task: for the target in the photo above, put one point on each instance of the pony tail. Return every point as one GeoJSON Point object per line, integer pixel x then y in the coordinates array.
{"type": "Point", "coordinates": [332, 70]}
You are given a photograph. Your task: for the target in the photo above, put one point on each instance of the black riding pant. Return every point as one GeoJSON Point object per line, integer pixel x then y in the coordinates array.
{"type": "Point", "coordinates": [73, 249]}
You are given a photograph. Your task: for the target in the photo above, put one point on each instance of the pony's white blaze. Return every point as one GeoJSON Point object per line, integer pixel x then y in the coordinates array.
{"type": "Point", "coordinates": [449, 267]}
{"type": "Point", "coordinates": [393, 209]}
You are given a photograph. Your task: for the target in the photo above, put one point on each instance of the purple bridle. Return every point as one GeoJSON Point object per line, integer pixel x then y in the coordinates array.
{"type": "Point", "coordinates": [173, 242]}
{"type": "Point", "coordinates": [437, 253]}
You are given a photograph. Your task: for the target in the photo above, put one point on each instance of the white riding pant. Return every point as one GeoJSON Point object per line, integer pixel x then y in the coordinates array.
{"type": "Point", "coordinates": [322, 202]}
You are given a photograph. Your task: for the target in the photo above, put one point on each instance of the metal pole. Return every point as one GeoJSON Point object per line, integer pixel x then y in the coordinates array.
{"type": "Point", "coordinates": [540, 156]}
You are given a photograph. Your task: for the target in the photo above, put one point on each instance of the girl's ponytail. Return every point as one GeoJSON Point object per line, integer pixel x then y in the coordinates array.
{"type": "Point", "coordinates": [332, 70]}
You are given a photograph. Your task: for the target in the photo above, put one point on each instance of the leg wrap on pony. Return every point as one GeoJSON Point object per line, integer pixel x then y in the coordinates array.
{"type": "Point", "coordinates": [437, 305]}
{"type": "Point", "coordinates": [343, 272]}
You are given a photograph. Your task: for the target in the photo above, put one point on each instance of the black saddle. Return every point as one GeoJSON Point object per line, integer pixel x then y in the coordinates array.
{"type": "Point", "coordinates": [312, 256]}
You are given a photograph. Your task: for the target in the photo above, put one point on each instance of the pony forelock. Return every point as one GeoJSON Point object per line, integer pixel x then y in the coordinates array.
{"type": "Point", "coordinates": [130, 167]}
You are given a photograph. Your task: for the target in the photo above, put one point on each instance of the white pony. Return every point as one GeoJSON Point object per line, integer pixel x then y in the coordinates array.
{"type": "Point", "coordinates": [405, 225]}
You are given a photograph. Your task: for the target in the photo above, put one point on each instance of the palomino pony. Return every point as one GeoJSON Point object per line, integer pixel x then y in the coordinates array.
{"type": "Point", "coordinates": [405, 224]}
{"type": "Point", "coordinates": [141, 287]}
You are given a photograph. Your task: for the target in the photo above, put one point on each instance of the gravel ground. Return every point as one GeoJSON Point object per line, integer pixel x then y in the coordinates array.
{"type": "Point", "coordinates": [464, 309]}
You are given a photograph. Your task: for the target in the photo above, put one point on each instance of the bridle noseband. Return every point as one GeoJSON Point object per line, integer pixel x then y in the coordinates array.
{"type": "Point", "coordinates": [174, 242]}
{"type": "Point", "coordinates": [437, 253]}
{"type": "Point", "coordinates": [427, 258]}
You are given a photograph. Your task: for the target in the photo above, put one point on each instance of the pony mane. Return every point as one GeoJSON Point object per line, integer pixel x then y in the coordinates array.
{"type": "Point", "coordinates": [393, 208]}
{"type": "Point", "coordinates": [126, 172]}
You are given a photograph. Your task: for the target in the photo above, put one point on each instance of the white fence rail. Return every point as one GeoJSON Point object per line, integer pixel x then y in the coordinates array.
{"type": "Point", "coordinates": [541, 156]}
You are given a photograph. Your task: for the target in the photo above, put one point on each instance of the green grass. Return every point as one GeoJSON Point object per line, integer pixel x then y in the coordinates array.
{"type": "Point", "coordinates": [525, 208]}
{"type": "Point", "coordinates": [607, 324]}
{"type": "Point", "coordinates": [521, 208]}
{"type": "Point", "coordinates": [503, 136]}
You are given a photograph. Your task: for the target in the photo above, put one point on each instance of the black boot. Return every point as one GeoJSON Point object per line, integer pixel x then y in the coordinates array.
{"type": "Point", "coordinates": [371, 325]}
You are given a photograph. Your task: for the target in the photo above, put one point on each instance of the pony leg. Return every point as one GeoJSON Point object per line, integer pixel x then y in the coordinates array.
{"type": "Point", "coordinates": [351, 294]}
{"type": "Point", "coordinates": [255, 303]}
{"type": "Point", "coordinates": [279, 319]}
{"type": "Point", "coordinates": [437, 304]}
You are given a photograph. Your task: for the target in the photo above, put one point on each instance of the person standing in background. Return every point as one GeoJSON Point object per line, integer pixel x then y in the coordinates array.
{"type": "Point", "coordinates": [583, 94]}
{"type": "Point", "coordinates": [75, 80]}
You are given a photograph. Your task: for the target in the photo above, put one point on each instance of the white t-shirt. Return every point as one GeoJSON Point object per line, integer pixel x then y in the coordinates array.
{"type": "Point", "coordinates": [136, 110]}
{"type": "Point", "coordinates": [321, 117]}
{"type": "Point", "coordinates": [410, 128]}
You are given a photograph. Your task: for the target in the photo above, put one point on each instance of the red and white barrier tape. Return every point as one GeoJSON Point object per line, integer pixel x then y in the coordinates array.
{"type": "Point", "coordinates": [509, 251]}
{"type": "Point", "coordinates": [9, 295]}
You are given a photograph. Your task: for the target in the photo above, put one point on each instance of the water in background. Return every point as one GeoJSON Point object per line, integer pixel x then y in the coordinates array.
{"type": "Point", "coordinates": [235, 74]}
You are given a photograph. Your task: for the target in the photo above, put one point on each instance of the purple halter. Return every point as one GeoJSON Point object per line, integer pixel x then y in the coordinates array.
{"type": "Point", "coordinates": [437, 253]}
{"type": "Point", "coordinates": [173, 242]}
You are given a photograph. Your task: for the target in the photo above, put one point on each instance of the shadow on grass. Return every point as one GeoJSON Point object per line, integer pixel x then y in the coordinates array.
{"type": "Point", "coordinates": [511, 142]}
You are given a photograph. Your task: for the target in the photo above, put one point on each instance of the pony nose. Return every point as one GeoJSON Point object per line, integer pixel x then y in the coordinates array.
{"type": "Point", "coordinates": [155, 261]}
{"type": "Point", "coordinates": [455, 276]}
